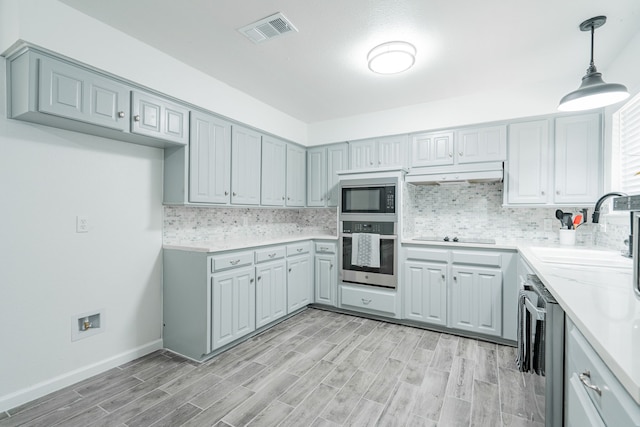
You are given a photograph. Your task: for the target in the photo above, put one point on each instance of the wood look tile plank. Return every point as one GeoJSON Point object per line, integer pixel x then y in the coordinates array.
{"type": "Point", "coordinates": [348, 397]}
{"type": "Point", "coordinates": [467, 348]}
{"type": "Point", "coordinates": [186, 380]}
{"type": "Point", "coordinates": [272, 415]}
{"type": "Point", "coordinates": [460, 384]}
{"type": "Point", "coordinates": [455, 412]}
{"type": "Point", "coordinates": [416, 366]}
{"type": "Point", "coordinates": [487, 365]}
{"type": "Point", "coordinates": [255, 404]}
{"type": "Point", "coordinates": [431, 395]}
{"type": "Point", "coordinates": [218, 410]}
{"type": "Point", "coordinates": [25, 413]}
{"type": "Point", "coordinates": [310, 407]}
{"type": "Point", "coordinates": [365, 414]}
{"type": "Point", "coordinates": [343, 333]}
{"type": "Point", "coordinates": [379, 356]}
{"type": "Point", "coordinates": [513, 393]}
{"type": "Point", "coordinates": [342, 350]}
{"type": "Point", "coordinates": [301, 388]}
{"type": "Point", "coordinates": [385, 382]}
{"type": "Point", "coordinates": [395, 412]}
{"type": "Point", "coordinates": [485, 406]}
{"type": "Point", "coordinates": [345, 370]}
{"type": "Point", "coordinates": [509, 420]}
{"type": "Point", "coordinates": [131, 410]}
{"type": "Point", "coordinates": [213, 394]}
{"type": "Point", "coordinates": [371, 341]}
{"type": "Point", "coordinates": [321, 422]}
{"type": "Point", "coordinates": [429, 340]}
{"type": "Point", "coordinates": [178, 417]}
{"type": "Point", "coordinates": [85, 417]}
{"type": "Point", "coordinates": [443, 356]}
{"type": "Point", "coordinates": [507, 357]}
{"type": "Point", "coordinates": [416, 421]}
{"type": "Point", "coordinates": [405, 348]}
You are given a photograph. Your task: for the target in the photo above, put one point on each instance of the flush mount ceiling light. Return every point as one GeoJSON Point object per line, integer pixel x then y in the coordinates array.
{"type": "Point", "coordinates": [593, 92]}
{"type": "Point", "coordinates": [391, 57]}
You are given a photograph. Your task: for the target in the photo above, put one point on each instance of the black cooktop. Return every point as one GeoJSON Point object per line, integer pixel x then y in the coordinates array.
{"type": "Point", "coordinates": [448, 239]}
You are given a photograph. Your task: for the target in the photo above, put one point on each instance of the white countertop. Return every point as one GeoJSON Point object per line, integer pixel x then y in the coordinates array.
{"type": "Point", "coordinates": [500, 244]}
{"type": "Point", "coordinates": [244, 242]}
{"type": "Point", "coordinates": [602, 304]}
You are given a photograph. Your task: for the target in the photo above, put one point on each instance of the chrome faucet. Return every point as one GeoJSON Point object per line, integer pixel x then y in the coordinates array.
{"type": "Point", "coordinates": [595, 218]}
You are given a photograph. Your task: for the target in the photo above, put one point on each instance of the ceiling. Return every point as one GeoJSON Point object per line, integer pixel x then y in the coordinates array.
{"type": "Point", "coordinates": [320, 73]}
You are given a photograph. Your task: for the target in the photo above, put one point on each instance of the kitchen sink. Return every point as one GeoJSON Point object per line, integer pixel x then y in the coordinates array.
{"type": "Point", "coordinates": [581, 256]}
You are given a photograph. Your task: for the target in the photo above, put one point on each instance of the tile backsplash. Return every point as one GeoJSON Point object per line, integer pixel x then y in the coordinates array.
{"type": "Point", "coordinates": [475, 210]}
{"type": "Point", "coordinates": [193, 224]}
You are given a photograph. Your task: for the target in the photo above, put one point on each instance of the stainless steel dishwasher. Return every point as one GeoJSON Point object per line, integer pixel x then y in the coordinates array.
{"type": "Point", "coordinates": [541, 350]}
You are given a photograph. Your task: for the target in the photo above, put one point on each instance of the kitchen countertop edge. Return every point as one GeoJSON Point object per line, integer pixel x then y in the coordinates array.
{"type": "Point", "coordinates": [230, 245]}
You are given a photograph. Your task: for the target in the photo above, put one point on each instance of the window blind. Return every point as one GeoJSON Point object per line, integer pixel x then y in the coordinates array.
{"type": "Point", "coordinates": [629, 134]}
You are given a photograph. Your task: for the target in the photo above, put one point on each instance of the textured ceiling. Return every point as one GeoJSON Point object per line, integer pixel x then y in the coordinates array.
{"type": "Point", "coordinates": [320, 73]}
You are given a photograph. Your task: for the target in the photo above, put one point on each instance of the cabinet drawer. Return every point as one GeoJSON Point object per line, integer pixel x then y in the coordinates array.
{"type": "Point", "coordinates": [236, 259]}
{"type": "Point", "coordinates": [615, 405]}
{"type": "Point", "coordinates": [424, 254]}
{"type": "Point", "coordinates": [269, 254]}
{"type": "Point", "coordinates": [326, 248]}
{"type": "Point", "coordinates": [370, 299]}
{"type": "Point", "coordinates": [298, 248]}
{"type": "Point", "coordinates": [479, 258]}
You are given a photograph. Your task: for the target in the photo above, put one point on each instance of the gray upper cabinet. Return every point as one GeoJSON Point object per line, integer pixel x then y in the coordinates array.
{"type": "Point", "coordinates": [158, 118]}
{"type": "Point", "coordinates": [432, 149]}
{"type": "Point", "coordinates": [322, 179]}
{"type": "Point", "coordinates": [55, 92]}
{"type": "Point", "coordinates": [387, 151]}
{"type": "Point", "coordinates": [209, 159]}
{"type": "Point", "coordinates": [75, 93]}
{"type": "Point", "coordinates": [528, 166]}
{"type": "Point", "coordinates": [486, 144]}
{"type": "Point", "coordinates": [296, 175]}
{"type": "Point", "coordinates": [245, 166]}
{"type": "Point", "coordinates": [273, 171]}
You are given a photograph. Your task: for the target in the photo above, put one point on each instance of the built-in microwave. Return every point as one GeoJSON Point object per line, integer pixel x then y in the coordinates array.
{"type": "Point", "coordinates": [368, 198]}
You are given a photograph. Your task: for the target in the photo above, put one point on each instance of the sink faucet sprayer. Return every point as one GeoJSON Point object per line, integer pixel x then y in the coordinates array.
{"type": "Point", "coordinates": [595, 218]}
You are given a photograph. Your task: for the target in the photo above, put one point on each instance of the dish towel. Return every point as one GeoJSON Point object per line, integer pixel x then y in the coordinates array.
{"type": "Point", "coordinates": [525, 344]}
{"type": "Point", "coordinates": [538, 349]}
{"type": "Point", "coordinates": [365, 250]}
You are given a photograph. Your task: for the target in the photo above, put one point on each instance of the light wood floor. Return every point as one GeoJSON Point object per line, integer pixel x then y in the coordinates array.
{"type": "Point", "coordinates": [317, 368]}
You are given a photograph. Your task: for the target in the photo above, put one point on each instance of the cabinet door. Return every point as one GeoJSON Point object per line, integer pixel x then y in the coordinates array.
{"type": "Point", "coordinates": [579, 411]}
{"type": "Point", "coordinates": [482, 145]}
{"type": "Point", "coordinates": [476, 299]}
{"type": "Point", "coordinates": [245, 166]}
{"type": "Point", "coordinates": [316, 177]}
{"type": "Point", "coordinates": [426, 292]}
{"type": "Point", "coordinates": [326, 280]}
{"type": "Point", "coordinates": [232, 305]}
{"type": "Point", "coordinates": [432, 149]}
{"type": "Point", "coordinates": [76, 93]}
{"type": "Point", "coordinates": [578, 156]}
{"type": "Point", "coordinates": [362, 154]}
{"type": "Point", "coordinates": [528, 165]}
{"type": "Point", "coordinates": [273, 171]}
{"type": "Point", "coordinates": [271, 295]}
{"type": "Point", "coordinates": [299, 283]}
{"type": "Point", "coordinates": [296, 175]}
{"type": "Point", "coordinates": [159, 118]}
{"type": "Point", "coordinates": [337, 160]}
{"type": "Point", "coordinates": [209, 159]}
{"type": "Point", "coordinates": [392, 151]}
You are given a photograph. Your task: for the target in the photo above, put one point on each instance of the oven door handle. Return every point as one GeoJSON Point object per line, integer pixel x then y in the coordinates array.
{"type": "Point", "coordinates": [382, 236]}
{"type": "Point", "coordinates": [540, 313]}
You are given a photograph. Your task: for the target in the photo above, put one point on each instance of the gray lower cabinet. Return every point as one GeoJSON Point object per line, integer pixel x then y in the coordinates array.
{"type": "Point", "coordinates": [326, 274]}
{"type": "Point", "coordinates": [233, 305]}
{"type": "Point", "coordinates": [299, 276]}
{"type": "Point", "coordinates": [472, 290]}
{"type": "Point", "coordinates": [57, 92]}
{"type": "Point", "coordinates": [271, 285]}
{"type": "Point", "coordinates": [593, 395]}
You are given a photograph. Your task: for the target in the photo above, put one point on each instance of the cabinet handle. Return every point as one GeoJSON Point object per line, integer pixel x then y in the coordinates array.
{"type": "Point", "coordinates": [234, 193]}
{"type": "Point", "coordinates": [450, 154]}
{"type": "Point", "coordinates": [321, 199]}
{"type": "Point", "coordinates": [259, 277]}
{"type": "Point", "coordinates": [136, 118]}
{"type": "Point", "coordinates": [288, 198]}
{"type": "Point", "coordinates": [282, 197]}
{"type": "Point", "coordinates": [455, 279]}
{"type": "Point", "coordinates": [330, 266]}
{"type": "Point", "coordinates": [366, 301]}
{"type": "Point", "coordinates": [271, 255]}
{"type": "Point", "coordinates": [542, 193]}
{"type": "Point", "coordinates": [461, 154]}
{"type": "Point", "coordinates": [252, 280]}
{"type": "Point", "coordinates": [299, 249]}
{"type": "Point", "coordinates": [121, 114]}
{"type": "Point", "coordinates": [379, 162]}
{"type": "Point", "coordinates": [289, 270]}
{"type": "Point", "coordinates": [558, 192]}
{"type": "Point", "coordinates": [443, 277]}
{"type": "Point", "coordinates": [584, 379]}
{"type": "Point", "coordinates": [234, 262]}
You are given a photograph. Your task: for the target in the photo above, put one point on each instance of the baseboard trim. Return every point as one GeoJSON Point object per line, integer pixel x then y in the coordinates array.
{"type": "Point", "coordinates": [43, 388]}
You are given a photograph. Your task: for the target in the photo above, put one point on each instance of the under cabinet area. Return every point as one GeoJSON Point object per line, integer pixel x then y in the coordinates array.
{"type": "Point", "coordinates": [471, 290]}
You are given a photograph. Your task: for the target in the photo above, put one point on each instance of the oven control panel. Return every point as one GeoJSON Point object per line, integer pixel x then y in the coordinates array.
{"type": "Point", "coordinates": [386, 228]}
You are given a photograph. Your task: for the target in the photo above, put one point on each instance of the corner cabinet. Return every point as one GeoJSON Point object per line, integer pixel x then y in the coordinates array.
{"type": "Point", "coordinates": [555, 161]}
{"type": "Point", "coordinates": [56, 92]}
{"type": "Point", "coordinates": [322, 180]}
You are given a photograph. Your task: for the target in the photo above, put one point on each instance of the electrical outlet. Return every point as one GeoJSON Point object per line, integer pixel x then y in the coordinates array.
{"type": "Point", "coordinates": [548, 224]}
{"type": "Point", "coordinates": [82, 224]}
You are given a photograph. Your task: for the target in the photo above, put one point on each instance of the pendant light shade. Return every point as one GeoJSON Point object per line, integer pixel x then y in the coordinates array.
{"type": "Point", "coordinates": [593, 92]}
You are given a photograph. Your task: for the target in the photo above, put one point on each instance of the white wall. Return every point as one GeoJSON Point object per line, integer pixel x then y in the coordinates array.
{"type": "Point", "coordinates": [48, 272]}
{"type": "Point", "coordinates": [62, 29]}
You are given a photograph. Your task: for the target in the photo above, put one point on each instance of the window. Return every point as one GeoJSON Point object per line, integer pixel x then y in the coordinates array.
{"type": "Point", "coordinates": [626, 133]}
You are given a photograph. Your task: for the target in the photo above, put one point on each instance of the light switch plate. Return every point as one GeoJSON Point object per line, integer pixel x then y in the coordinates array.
{"type": "Point", "coordinates": [82, 224]}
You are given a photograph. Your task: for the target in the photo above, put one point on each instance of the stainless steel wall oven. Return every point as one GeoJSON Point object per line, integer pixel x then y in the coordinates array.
{"type": "Point", "coordinates": [356, 270]}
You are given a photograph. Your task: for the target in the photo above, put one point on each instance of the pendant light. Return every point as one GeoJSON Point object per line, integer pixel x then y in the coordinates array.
{"type": "Point", "coordinates": [593, 92]}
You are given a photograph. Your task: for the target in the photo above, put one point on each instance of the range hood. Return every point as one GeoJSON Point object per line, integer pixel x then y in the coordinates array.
{"type": "Point", "coordinates": [455, 174]}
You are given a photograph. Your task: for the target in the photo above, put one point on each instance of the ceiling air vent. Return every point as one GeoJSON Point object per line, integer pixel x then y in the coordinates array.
{"type": "Point", "coordinates": [268, 28]}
